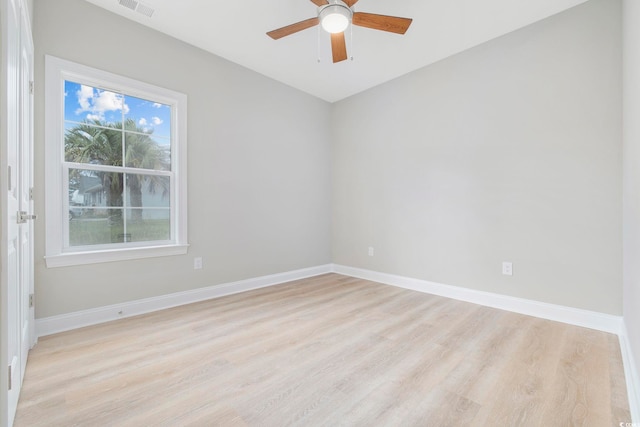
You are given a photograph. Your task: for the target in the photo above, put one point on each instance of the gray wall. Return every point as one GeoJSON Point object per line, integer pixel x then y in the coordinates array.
{"type": "Point", "coordinates": [258, 164]}
{"type": "Point", "coordinates": [510, 151]}
{"type": "Point", "coordinates": [631, 177]}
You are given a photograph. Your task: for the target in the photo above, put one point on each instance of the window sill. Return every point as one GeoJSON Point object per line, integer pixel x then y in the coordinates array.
{"type": "Point", "coordinates": [93, 257]}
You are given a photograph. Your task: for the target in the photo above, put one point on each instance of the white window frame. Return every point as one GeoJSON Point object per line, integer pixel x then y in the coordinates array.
{"type": "Point", "coordinates": [56, 254]}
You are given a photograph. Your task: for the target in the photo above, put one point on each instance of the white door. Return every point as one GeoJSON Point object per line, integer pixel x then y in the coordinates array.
{"type": "Point", "coordinates": [25, 184]}
{"type": "Point", "coordinates": [17, 236]}
{"type": "Point", "coordinates": [11, 34]}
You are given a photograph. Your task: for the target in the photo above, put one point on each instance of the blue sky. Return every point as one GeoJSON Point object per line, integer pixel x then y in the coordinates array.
{"type": "Point", "coordinates": [83, 102]}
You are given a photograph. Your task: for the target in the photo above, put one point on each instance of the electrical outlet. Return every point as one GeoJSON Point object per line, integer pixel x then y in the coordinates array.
{"type": "Point", "coordinates": [370, 250]}
{"type": "Point", "coordinates": [507, 268]}
{"type": "Point", "coordinates": [197, 263]}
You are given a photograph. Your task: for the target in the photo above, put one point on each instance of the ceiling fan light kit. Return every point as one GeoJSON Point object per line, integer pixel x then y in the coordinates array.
{"type": "Point", "coordinates": [335, 17]}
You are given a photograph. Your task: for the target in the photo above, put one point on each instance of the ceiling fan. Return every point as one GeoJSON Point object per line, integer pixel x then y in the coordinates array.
{"type": "Point", "coordinates": [334, 16]}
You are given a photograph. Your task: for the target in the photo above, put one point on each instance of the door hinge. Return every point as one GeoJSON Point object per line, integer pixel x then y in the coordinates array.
{"type": "Point", "coordinates": [30, 300]}
{"type": "Point", "coordinates": [10, 377]}
{"type": "Point", "coordinates": [31, 193]}
{"type": "Point", "coordinates": [31, 87]}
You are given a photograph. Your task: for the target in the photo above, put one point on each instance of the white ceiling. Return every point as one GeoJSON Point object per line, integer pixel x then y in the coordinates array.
{"type": "Point", "coordinates": [235, 30]}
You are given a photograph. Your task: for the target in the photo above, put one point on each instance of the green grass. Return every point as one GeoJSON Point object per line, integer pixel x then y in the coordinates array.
{"type": "Point", "coordinates": [99, 232]}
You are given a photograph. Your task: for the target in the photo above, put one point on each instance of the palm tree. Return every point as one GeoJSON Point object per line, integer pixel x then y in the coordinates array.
{"type": "Point", "coordinates": [99, 143]}
{"type": "Point", "coordinates": [95, 142]}
{"type": "Point", "coordinates": [143, 152]}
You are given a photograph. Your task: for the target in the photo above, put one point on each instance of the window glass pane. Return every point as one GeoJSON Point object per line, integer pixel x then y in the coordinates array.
{"type": "Point", "coordinates": [148, 201]}
{"type": "Point", "coordinates": [147, 191]}
{"type": "Point", "coordinates": [148, 224]}
{"type": "Point", "coordinates": [85, 143]}
{"type": "Point", "coordinates": [95, 207]}
{"type": "Point", "coordinates": [85, 188]}
{"type": "Point", "coordinates": [83, 103]}
{"type": "Point", "coordinates": [148, 116]}
{"type": "Point", "coordinates": [165, 146]}
{"type": "Point", "coordinates": [147, 152]}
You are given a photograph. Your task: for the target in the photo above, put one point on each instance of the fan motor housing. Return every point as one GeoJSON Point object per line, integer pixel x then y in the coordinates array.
{"type": "Point", "coordinates": [335, 17]}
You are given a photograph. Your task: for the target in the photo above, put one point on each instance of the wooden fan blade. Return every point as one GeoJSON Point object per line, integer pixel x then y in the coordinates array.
{"type": "Point", "coordinates": [293, 28]}
{"type": "Point", "coordinates": [350, 2]}
{"type": "Point", "coordinates": [338, 47]}
{"type": "Point", "coordinates": [393, 24]}
{"type": "Point", "coordinates": [320, 2]}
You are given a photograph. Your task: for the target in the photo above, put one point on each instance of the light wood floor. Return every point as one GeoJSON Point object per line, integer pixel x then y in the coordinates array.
{"type": "Point", "coordinates": [326, 351]}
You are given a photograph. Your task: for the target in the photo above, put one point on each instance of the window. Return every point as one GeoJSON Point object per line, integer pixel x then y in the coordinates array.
{"type": "Point", "coordinates": [115, 167]}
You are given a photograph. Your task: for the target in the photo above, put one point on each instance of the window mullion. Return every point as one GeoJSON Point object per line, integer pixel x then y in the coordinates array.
{"type": "Point", "coordinates": [117, 169]}
{"type": "Point", "coordinates": [124, 174]}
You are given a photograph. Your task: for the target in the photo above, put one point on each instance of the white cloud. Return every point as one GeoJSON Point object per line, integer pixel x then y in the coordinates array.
{"type": "Point", "coordinates": [85, 94]}
{"type": "Point", "coordinates": [109, 101]}
{"type": "Point", "coordinates": [157, 105]}
{"type": "Point", "coordinates": [142, 122]}
{"type": "Point", "coordinates": [157, 120]}
{"type": "Point", "coordinates": [97, 102]}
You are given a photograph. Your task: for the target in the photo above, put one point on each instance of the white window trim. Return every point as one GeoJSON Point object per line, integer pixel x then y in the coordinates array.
{"type": "Point", "coordinates": [59, 70]}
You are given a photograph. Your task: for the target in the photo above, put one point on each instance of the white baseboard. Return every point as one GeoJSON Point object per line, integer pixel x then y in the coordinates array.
{"type": "Point", "coordinates": [589, 319]}
{"type": "Point", "coordinates": [631, 376]}
{"type": "Point", "coordinates": [573, 316]}
{"type": "Point", "coordinates": [79, 319]}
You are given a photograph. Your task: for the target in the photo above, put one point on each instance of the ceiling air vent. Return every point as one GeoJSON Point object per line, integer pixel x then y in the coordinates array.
{"type": "Point", "coordinates": [138, 7]}
{"type": "Point", "coordinates": [131, 4]}
{"type": "Point", "coordinates": [145, 10]}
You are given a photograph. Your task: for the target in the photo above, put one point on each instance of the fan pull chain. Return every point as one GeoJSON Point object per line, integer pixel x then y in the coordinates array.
{"type": "Point", "coordinates": [319, 44]}
{"type": "Point", "coordinates": [353, 10]}
{"type": "Point", "coordinates": [351, 41]}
